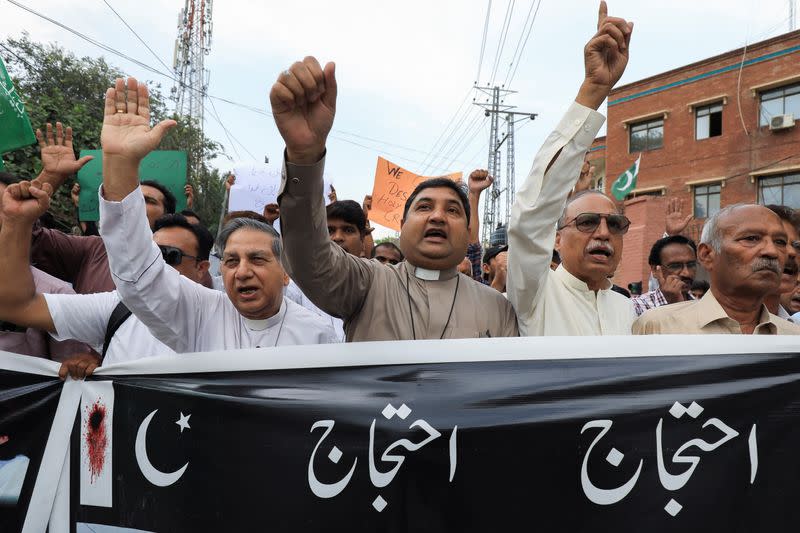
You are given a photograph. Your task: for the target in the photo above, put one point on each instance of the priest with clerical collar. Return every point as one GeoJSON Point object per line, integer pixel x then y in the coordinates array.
{"type": "Point", "coordinates": [187, 317]}
{"type": "Point", "coordinates": [423, 297]}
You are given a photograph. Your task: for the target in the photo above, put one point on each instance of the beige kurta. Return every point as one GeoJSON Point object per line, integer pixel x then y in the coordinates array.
{"type": "Point", "coordinates": [378, 302]}
{"type": "Point", "coordinates": [705, 316]}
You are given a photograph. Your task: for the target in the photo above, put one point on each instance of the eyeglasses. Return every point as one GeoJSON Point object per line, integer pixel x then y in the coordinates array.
{"type": "Point", "coordinates": [677, 267]}
{"type": "Point", "coordinates": [385, 260]}
{"type": "Point", "coordinates": [796, 246]}
{"type": "Point", "coordinates": [588, 222]}
{"type": "Point", "coordinates": [174, 256]}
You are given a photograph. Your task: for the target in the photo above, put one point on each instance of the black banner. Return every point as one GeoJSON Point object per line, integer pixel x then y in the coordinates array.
{"type": "Point", "coordinates": [27, 406]}
{"type": "Point", "coordinates": [666, 443]}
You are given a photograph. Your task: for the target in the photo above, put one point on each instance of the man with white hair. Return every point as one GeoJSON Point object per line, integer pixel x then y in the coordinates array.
{"type": "Point", "coordinates": [187, 317]}
{"type": "Point", "coordinates": [744, 250]}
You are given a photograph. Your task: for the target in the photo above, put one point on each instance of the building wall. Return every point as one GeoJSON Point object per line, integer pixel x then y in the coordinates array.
{"type": "Point", "coordinates": [743, 147]}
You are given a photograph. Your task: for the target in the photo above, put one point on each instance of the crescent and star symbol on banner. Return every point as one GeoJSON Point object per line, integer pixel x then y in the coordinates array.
{"type": "Point", "coordinates": [151, 473]}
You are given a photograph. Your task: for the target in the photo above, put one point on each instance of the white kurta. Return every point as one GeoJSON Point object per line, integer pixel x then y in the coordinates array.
{"type": "Point", "coordinates": [85, 317]}
{"type": "Point", "coordinates": [556, 302]}
{"type": "Point", "coordinates": [182, 314]}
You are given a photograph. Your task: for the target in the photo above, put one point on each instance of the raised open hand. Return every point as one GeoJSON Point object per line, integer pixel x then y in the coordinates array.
{"type": "Point", "coordinates": [605, 57]}
{"type": "Point", "coordinates": [332, 194]}
{"type": "Point", "coordinates": [675, 221]}
{"type": "Point", "coordinates": [303, 104]}
{"type": "Point", "coordinates": [229, 182]}
{"type": "Point", "coordinates": [479, 180]}
{"type": "Point", "coordinates": [26, 201]}
{"type": "Point", "coordinates": [366, 205]}
{"type": "Point", "coordinates": [58, 156]}
{"type": "Point", "coordinates": [126, 133]}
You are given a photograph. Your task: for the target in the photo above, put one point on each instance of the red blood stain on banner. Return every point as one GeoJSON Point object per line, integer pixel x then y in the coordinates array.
{"type": "Point", "coordinates": [96, 439]}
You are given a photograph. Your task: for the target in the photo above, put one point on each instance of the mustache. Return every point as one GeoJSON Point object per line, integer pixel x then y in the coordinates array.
{"type": "Point", "coordinates": [596, 244]}
{"type": "Point", "coordinates": [766, 264]}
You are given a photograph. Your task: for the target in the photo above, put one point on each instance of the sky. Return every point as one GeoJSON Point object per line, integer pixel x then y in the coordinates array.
{"type": "Point", "coordinates": [405, 70]}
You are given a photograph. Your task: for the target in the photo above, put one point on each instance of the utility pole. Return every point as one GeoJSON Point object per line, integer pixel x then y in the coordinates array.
{"type": "Point", "coordinates": [500, 196]}
{"type": "Point", "coordinates": [191, 47]}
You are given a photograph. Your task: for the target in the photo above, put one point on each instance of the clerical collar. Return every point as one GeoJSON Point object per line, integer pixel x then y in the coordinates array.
{"type": "Point", "coordinates": [433, 275]}
{"type": "Point", "coordinates": [264, 323]}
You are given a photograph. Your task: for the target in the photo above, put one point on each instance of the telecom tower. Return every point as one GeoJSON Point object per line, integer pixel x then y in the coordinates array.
{"type": "Point", "coordinates": [191, 47]}
{"type": "Point", "coordinates": [500, 196]}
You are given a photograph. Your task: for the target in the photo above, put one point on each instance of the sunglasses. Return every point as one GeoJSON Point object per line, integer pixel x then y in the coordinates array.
{"type": "Point", "coordinates": [588, 222]}
{"type": "Point", "coordinates": [174, 256]}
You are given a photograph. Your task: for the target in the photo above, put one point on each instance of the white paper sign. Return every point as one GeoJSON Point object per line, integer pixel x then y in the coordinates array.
{"type": "Point", "coordinates": [258, 185]}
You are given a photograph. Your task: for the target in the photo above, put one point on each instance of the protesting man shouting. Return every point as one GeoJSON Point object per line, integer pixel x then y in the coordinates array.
{"type": "Point", "coordinates": [586, 229]}
{"type": "Point", "coordinates": [423, 297]}
{"type": "Point", "coordinates": [180, 313]}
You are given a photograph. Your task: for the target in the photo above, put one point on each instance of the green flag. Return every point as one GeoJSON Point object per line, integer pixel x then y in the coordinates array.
{"type": "Point", "coordinates": [15, 126]}
{"type": "Point", "coordinates": [626, 182]}
{"type": "Point", "coordinates": [165, 166]}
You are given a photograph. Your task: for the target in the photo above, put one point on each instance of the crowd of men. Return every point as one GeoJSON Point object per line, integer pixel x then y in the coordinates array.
{"type": "Point", "coordinates": [155, 282]}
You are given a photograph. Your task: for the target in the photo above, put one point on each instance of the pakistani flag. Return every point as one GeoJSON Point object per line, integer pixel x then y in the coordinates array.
{"type": "Point", "coordinates": [15, 126]}
{"type": "Point", "coordinates": [624, 184]}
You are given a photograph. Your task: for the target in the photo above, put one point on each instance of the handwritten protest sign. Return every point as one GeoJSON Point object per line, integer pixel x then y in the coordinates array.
{"type": "Point", "coordinates": [15, 126]}
{"type": "Point", "coordinates": [258, 185]}
{"type": "Point", "coordinates": [166, 167]}
{"type": "Point", "coordinates": [393, 186]}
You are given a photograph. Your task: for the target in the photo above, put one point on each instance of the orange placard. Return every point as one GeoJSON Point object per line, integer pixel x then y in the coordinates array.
{"type": "Point", "coordinates": [393, 186]}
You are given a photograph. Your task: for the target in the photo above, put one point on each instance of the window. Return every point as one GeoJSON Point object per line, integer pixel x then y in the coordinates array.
{"type": "Point", "coordinates": [706, 200]}
{"type": "Point", "coordinates": [780, 101]}
{"type": "Point", "coordinates": [647, 136]}
{"type": "Point", "coordinates": [708, 121]}
{"type": "Point", "coordinates": [780, 190]}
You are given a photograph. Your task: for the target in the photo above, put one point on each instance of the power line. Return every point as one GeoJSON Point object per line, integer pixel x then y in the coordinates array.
{"type": "Point", "coordinates": [483, 43]}
{"type": "Point", "coordinates": [247, 107]}
{"type": "Point", "coordinates": [136, 34]}
{"type": "Point", "coordinates": [450, 137]}
{"type": "Point", "coordinates": [502, 42]}
{"type": "Point", "coordinates": [441, 135]}
{"type": "Point", "coordinates": [516, 60]}
{"type": "Point", "coordinates": [444, 155]}
{"type": "Point", "coordinates": [530, 28]}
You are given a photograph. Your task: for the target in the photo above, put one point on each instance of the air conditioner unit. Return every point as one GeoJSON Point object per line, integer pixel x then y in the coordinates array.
{"type": "Point", "coordinates": [781, 122]}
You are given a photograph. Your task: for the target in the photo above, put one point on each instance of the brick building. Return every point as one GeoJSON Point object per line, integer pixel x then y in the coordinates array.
{"type": "Point", "coordinates": [714, 133]}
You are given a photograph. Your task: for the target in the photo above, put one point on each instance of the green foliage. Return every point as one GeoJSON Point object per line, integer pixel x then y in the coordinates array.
{"type": "Point", "coordinates": [59, 86]}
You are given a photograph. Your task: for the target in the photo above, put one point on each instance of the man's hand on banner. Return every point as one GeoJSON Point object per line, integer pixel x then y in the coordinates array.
{"type": "Point", "coordinates": [26, 201]}
{"type": "Point", "coordinates": [127, 136]}
{"type": "Point", "coordinates": [79, 366]}
{"type": "Point", "coordinates": [605, 58]}
{"type": "Point", "coordinates": [675, 222]}
{"type": "Point", "coordinates": [303, 101]}
{"type": "Point", "coordinates": [58, 156]}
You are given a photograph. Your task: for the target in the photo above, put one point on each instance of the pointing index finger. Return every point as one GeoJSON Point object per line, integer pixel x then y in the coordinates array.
{"type": "Point", "coordinates": [602, 14]}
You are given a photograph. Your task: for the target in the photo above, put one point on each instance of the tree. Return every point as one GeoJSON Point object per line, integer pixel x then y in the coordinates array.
{"type": "Point", "coordinates": [57, 85]}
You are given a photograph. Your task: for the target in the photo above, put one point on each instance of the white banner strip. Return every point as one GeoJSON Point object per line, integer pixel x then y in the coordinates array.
{"type": "Point", "coordinates": [455, 351]}
{"type": "Point", "coordinates": [55, 453]}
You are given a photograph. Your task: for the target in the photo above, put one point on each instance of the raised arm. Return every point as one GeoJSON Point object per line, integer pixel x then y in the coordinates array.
{"type": "Point", "coordinates": [304, 104]}
{"type": "Point", "coordinates": [557, 166]}
{"type": "Point", "coordinates": [168, 304]}
{"type": "Point", "coordinates": [22, 204]}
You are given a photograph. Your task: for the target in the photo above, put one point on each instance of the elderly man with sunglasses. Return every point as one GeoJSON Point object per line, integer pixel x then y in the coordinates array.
{"type": "Point", "coordinates": [576, 298]}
